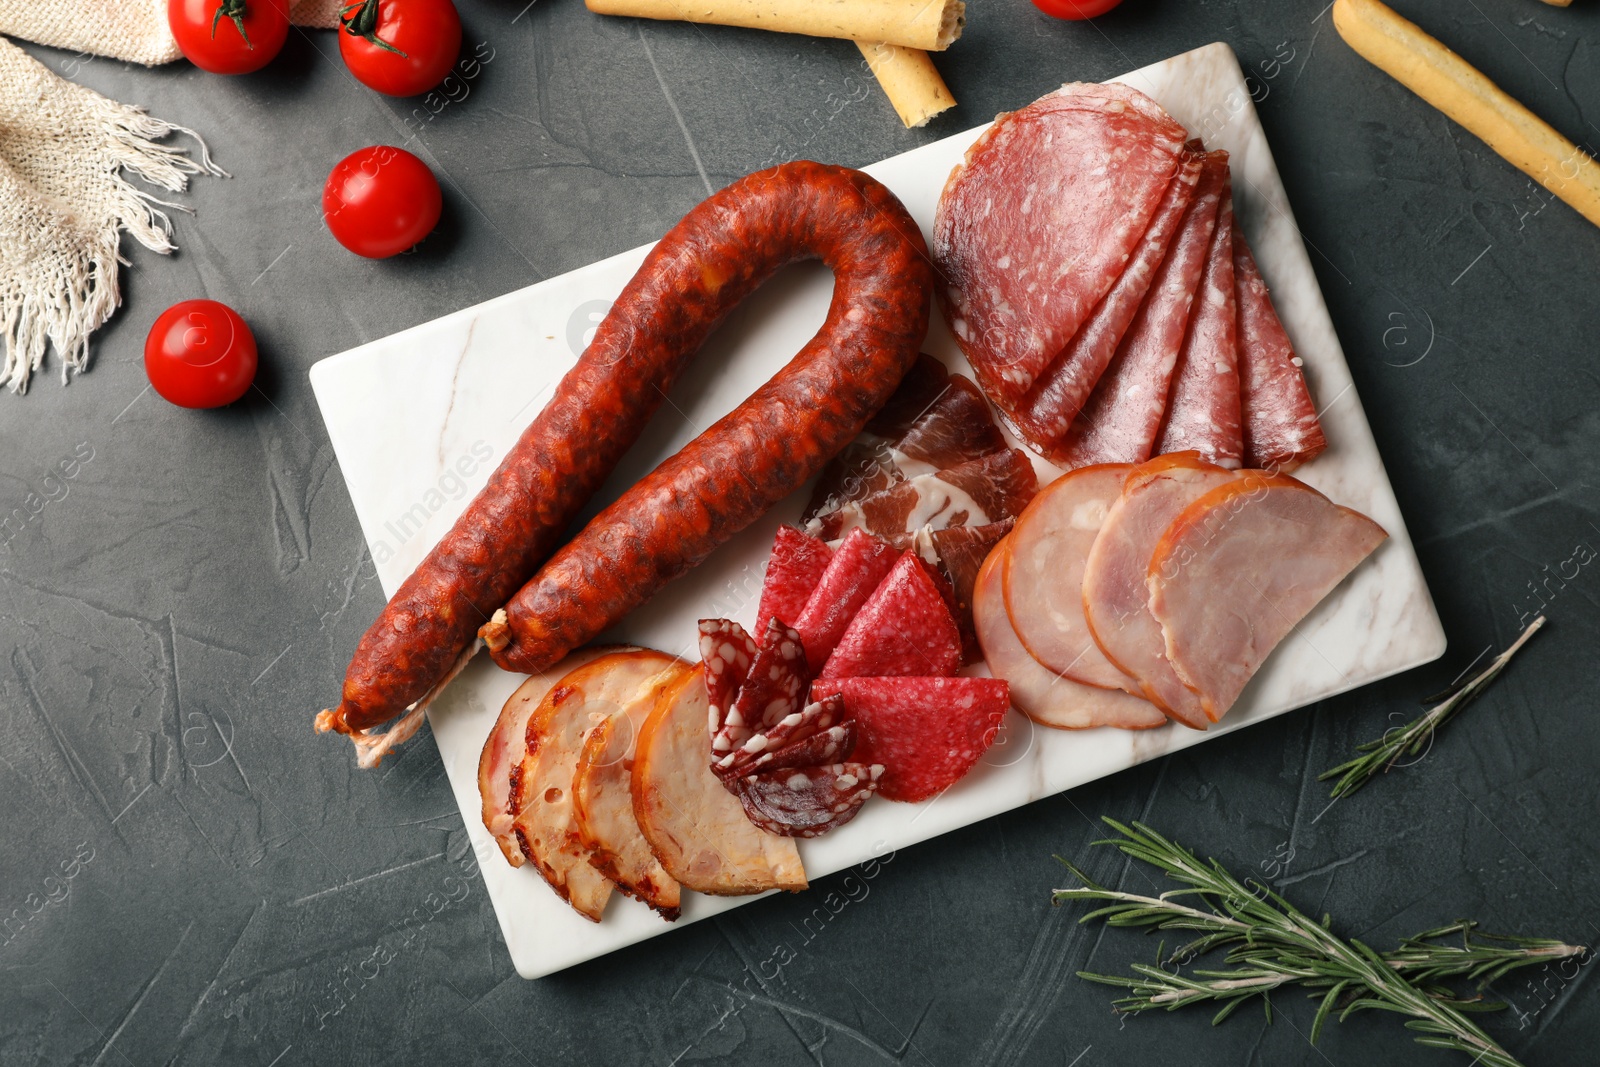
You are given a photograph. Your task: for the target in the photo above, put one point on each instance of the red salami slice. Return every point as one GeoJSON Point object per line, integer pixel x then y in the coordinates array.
{"type": "Point", "coordinates": [976, 493]}
{"type": "Point", "coordinates": [905, 629]}
{"type": "Point", "coordinates": [858, 565]}
{"type": "Point", "coordinates": [1039, 221]}
{"type": "Point", "coordinates": [1281, 429]}
{"type": "Point", "coordinates": [793, 571]}
{"type": "Point", "coordinates": [773, 690]}
{"type": "Point", "coordinates": [1044, 415]}
{"type": "Point", "coordinates": [790, 733]}
{"type": "Point", "coordinates": [726, 650]}
{"type": "Point", "coordinates": [1203, 410]}
{"type": "Point", "coordinates": [1122, 417]}
{"type": "Point", "coordinates": [807, 801]}
{"type": "Point", "coordinates": [927, 732]}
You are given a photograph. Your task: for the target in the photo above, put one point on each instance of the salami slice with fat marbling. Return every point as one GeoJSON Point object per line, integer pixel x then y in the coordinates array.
{"type": "Point", "coordinates": [807, 801]}
{"type": "Point", "coordinates": [773, 689]}
{"type": "Point", "coordinates": [793, 571]}
{"type": "Point", "coordinates": [726, 650]}
{"type": "Point", "coordinates": [905, 629]}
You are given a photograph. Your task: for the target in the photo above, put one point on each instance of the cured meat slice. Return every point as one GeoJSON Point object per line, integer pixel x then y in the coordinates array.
{"type": "Point", "coordinates": [1040, 219]}
{"type": "Point", "coordinates": [807, 801]}
{"type": "Point", "coordinates": [818, 716]}
{"type": "Point", "coordinates": [1120, 420]}
{"type": "Point", "coordinates": [927, 732]}
{"type": "Point", "coordinates": [1281, 428]}
{"type": "Point", "coordinates": [1048, 698]}
{"type": "Point", "coordinates": [696, 828]}
{"type": "Point", "coordinates": [1203, 402]}
{"type": "Point", "coordinates": [1115, 596]}
{"type": "Point", "coordinates": [602, 804]}
{"type": "Point", "coordinates": [773, 690]}
{"type": "Point", "coordinates": [793, 571]}
{"type": "Point", "coordinates": [858, 565]}
{"type": "Point", "coordinates": [832, 745]}
{"type": "Point", "coordinates": [1239, 569]}
{"type": "Point", "coordinates": [957, 553]}
{"type": "Point", "coordinates": [1044, 415]}
{"type": "Point", "coordinates": [508, 743]}
{"type": "Point", "coordinates": [975, 493]}
{"type": "Point", "coordinates": [1043, 576]}
{"type": "Point", "coordinates": [727, 651]}
{"type": "Point", "coordinates": [905, 629]}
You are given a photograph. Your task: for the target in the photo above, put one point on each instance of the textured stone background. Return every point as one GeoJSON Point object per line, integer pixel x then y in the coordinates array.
{"type": "Point", "coordinates": [241, 894]}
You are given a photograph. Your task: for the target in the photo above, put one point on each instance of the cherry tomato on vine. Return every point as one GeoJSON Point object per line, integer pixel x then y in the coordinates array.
{"type": "Point", "coordinates": [1075, 9]}
{"type": "Point", "coordinates": [200, 354]}
{"type": "Point", "coordinates": [400, 47]}
{"type": "Point", "coordinates": [229, 36]}
{"type": "Point", "coordinates": [380, 201]}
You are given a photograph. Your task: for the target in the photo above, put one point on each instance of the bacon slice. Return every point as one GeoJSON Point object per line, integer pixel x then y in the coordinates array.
{"type": "Point", "coordinates": [1043, 578]}
{"type": "Point", "coordinates": [1239, 568]}
{"type": "Point", "coordinates": [1045, 414]}
{"type": "Point", "coordinates": [1281, 428]}
{"type": "Point", "coordinates": [1203, 412]}
{"type": "Point", "coordinates": [1120, 420]}
{"type": "Point", "coordinates": [1040, 219]}
{"type": "Point", "coordinates": [1115, 598]}
{"type": "Point", "coordinates": [1048, 698]}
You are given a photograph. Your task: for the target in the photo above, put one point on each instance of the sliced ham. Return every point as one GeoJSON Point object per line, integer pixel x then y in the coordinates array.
{"type": "Point", "coordinates": [1120, 420]}
{"type": "Point", "coordinates": [1039, 221]}
{"type": "Point", "coordinates": [1239, 568]}
{"type": "Point", "coordinates": [1281, 429]}
{"type": "Point", "coordinates": [1044, 415]}
{"type": "Point", "coordinates": [1043, 577]}
{"type": "Point", "coordinates": [1115, 598]}
{"type": "Point", "coordinates": [975, 493]}
{"type": "Point", "coordinates": [1203, 409]}
{"type": "Point", "coordinates": [1044, 696]}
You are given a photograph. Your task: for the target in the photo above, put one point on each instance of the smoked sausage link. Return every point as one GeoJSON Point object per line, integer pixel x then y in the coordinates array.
{"type": "Point", "coordinates": [718, 484]}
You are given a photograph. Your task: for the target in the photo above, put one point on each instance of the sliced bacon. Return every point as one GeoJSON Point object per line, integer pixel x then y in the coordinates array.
{"type": "Point", "coordinates": [975, 493]}
{"type": "Point", "coordinates": [1120, 420]}
{"type": "Point", "coordinates": [1281, 428]}
{"type": "Point", "coordinates": [1239, 568]}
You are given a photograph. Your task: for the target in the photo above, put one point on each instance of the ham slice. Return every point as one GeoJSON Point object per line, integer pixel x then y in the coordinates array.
{"type": "Point", "coordinates": [975, 493]}
{"type": "Point", "coordinates": [1120, 420]}
{"type": "Point", "coordinates": [1239, 568]}
{"type": "Point", "coordinates": [1039, 221]}
{"type": "Point", "coordinates": [1281, 429]}
{"type": "Point", "coordinates": [1115, 597]}
{"type": "Point", "coordinates": [1203, 412]}
{"type": "Point", "coordinates": [1042, 418]}
{"type": "Point", "coordinates": [1043, 579]}
{"type": "Point", "coordinates": [1044, 696]}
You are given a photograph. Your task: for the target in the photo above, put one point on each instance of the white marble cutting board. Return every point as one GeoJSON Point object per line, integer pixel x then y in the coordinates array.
{"type": "Point", "coordinates": [419, 419]}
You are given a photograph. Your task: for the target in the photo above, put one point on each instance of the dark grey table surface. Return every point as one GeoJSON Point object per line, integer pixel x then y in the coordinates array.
{"type": "Point", "coordinates": [191, 875]}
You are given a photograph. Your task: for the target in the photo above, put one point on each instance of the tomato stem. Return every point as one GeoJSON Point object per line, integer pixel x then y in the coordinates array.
{"type": "Point", "coordinates": [360, 19]}
{"type": "Point", "coordinates": [236, 11]}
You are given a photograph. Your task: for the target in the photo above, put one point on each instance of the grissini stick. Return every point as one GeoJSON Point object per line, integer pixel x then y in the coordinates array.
{"type": "Point", "coordinates": [910, 80]}
{"type": "Point", "coordinates": [1455, 87]}
{"type": "Point", "coordinates": [929, 25]}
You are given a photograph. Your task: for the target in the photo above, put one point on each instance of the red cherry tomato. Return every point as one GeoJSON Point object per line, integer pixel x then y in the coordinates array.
{"type": "Point", "coordinates": [229, 36]}
{"type": "Point", "coordinates": [1075, 9]}
{"type": "Point", "coordinates": [400, 47]}
{"type": "Point", "coordinates": [380, 201]}
{"type": "Point", "coordinates": [200, 354]}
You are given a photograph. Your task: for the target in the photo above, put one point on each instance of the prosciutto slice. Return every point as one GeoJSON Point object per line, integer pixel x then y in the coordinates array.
{"type": "Point", "coordinates": [1203, 408]}
{"type": "Point", "coordinates": [975, 493]}
{"type": "Point", "coordinates": [1044, 415]}
{"type": "Point", "coordinates": [1281, 429]}
{"type": "Point", "coordinates": [1039, 221]}
{"type": "Point", "coordinates": [1115, 597]}
{"type": "Point", "coordinates": [1239, 568]}
{"type": "Point", "coordinates": [1120, 420]}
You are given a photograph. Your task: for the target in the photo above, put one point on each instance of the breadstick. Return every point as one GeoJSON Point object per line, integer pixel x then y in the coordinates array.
{"type": "Point", "coordinates": [909, 79]}
{"type": "Point", "coordinates": [1455, 87]}
{"type": "Point", "coordinates": [925, 24]}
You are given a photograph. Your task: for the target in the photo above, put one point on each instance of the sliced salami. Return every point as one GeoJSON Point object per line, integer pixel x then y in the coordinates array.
{"type": "Point", "coordinates": [1044, 415]}
{"type": "Point", "coordinates": [726, 651]}
{"type": "Point", "coordinates": [816, 717]}
{"type": "Point", "coordinates": [1203, 409]}
{"type": "Point", "coordinates": [773, 690]}
{"type": "Point", "coordinates": [793, 571]}
{"type": "Point", "coordinates": [1120, 420]}
{"type": "Point", "coordinates": [974, 493]}
{"type": "Point", "coordinates": [807, 801]}
{"type": "Point", "coordinates": [1281, 428]}
{"type": "Point", "coordinates": [858, 565]}
{"type": "Point", "coordinates": [1036, 225]}
{"type": "Point", "coordinates": [833, 745]}
{"type": "Point", "coordinates": [905, 629]}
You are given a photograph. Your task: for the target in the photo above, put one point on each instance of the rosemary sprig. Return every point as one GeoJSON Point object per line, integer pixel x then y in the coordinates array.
{"type": "Point", "coordinates": [1271, 944]}
{"type": "Point", "coordinates": [1380, 756]}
